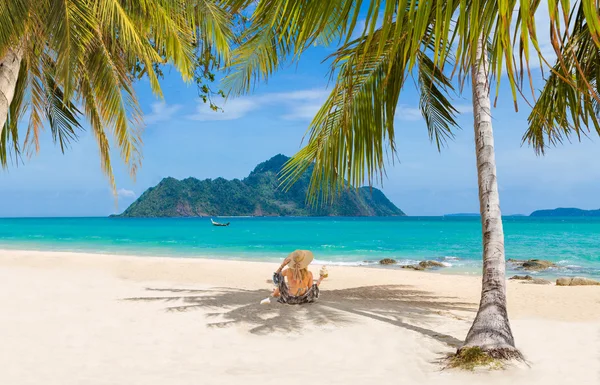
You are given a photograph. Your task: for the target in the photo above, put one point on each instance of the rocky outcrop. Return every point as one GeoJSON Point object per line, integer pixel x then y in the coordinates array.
{"type": "Point", "coordinates": [412, 267]}
{"type": "Point", "coordinates": [521, 277]}
{"type": "Point", "coordinates": [387, 261]}
{"type": "Point", "coordinates": [430, 264]}
{"type": "Point", "coordinates": [576, 281]}
{"type": "Point", "coordinates": [532, 264]}
{"type": "Point", "coordinates": [531, 280]}
{"type": "Point", "coordinates": [423, 265]}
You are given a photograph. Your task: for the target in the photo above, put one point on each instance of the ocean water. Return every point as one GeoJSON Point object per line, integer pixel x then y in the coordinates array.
{"type": "Point", "coordinates": [573, 243]}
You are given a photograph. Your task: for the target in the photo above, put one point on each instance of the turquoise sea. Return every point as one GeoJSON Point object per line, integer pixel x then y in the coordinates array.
{"type": "Point", "coordinates": [573, 243]}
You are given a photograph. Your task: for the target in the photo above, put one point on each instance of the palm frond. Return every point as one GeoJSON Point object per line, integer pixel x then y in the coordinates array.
{"type": "Point", "coordinates": [214, 28]}
{"type": "Point", "coordinates": [300, 23]}
{"type": "Point", "coordinates": [72, 24]}
{"type": "Point", "coordinates": [38, 99]}
{"type": "Point", "coordinates": [62, 115]}
{"type": "Point", "coordinates": [13, 16]}
{"type": "Point", "coordinates": [281, 30]}
{"type": "Point", "coordinates": [566, 109]}
{"type": "Point", "coordinates": [92, 112]}
{"type": "Point", "coordinates": [9, 136]}
{"type": "Point", "coordinates": [354, 130]}
{"type": "Point", "coordinates": [261, 54]}
{"type": "Point", "coordinates": [121, 26]}
{"type": "Point", "coordinates": [115, 101]}
{"type": "Point", "coordinates": [172, 34]}
{"type": "Point", "coordinates": [436, 107]}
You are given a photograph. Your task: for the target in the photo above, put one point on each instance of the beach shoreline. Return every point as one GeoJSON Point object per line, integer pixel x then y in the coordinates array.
{"type": "Point", "coordinates": [334, 241]}
{"type": "Point", "coordinates": [72, 316]}
{"type": "Point", "coordinates": [471, 269]}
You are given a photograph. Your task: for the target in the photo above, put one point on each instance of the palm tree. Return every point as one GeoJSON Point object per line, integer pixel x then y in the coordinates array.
{"type": "Point", "coordinates": [60, 60]}
{"type": "Point", "coordinates": [351, 132]}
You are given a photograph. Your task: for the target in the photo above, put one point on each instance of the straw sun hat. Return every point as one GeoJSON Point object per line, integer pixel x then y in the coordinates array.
{"type": "Point", "coordinates": [300, 259]}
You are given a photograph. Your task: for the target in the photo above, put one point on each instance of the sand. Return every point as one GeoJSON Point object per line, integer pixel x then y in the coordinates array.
{"type": "Point", "coordinates": [71, 318]}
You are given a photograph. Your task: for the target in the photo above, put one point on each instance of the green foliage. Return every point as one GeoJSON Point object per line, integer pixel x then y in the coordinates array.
{"type": "Point", "coordinates": [350, 134]}
{"type": "Point", "coordinates": [353, 134]}
{"type": "Point", "coordinates": [258, 194]}
{"type": "Point", "coordinates": [562, 110]}
{"type": "Point", "coordinates": [86, 55]}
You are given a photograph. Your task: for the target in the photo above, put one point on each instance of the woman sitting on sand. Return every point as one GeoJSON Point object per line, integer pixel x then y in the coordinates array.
{"type": "Point", "coordinates": [301, 288]}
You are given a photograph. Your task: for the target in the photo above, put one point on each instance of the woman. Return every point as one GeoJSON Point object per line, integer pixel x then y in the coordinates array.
{"type": "Point", "coordinates": [300, 287]}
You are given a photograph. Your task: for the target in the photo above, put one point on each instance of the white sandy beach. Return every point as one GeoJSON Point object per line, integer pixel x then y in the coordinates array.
{"type": "Point", "coordinates": [70, 318]}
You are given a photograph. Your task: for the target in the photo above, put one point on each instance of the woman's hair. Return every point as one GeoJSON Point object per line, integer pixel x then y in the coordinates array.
{"type": "Point", "coordinates": [303, 273]}
{"type": "Point", "coordinates": [300, 274]}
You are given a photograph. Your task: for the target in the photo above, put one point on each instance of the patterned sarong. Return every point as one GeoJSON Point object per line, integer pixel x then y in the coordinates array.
{"type": "Point", "coordinates": [310, 296]}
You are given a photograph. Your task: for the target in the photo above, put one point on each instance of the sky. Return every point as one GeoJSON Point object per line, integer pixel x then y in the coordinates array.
{"type": "Point", "coordinates": [184, 138]}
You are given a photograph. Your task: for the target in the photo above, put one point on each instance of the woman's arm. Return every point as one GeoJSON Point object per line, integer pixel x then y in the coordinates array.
{"type": "Point", "coordinates": [285, 262]}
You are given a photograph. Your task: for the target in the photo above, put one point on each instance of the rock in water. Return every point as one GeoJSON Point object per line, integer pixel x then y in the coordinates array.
{"type": "Point", "coordinates": [576, 281]}
{"type": "Point", "coordinates": [413, 267]}
{"type": "Point", "coordinates": [429, 264]}
{"type": "Point", "coordinates": [424, 265]}
{"type": "Point", "coordinates": [387, 261]}
{"type": "Point", "coordinates": [532, 264]}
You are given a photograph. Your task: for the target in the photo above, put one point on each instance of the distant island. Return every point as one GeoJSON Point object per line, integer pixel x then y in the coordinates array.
{"type": "Point", "coordinates": [479, 215]}
{"type": "Point", "coordinates": [256, 195]}
{"type": "Point", "coordinates": [566, 212]}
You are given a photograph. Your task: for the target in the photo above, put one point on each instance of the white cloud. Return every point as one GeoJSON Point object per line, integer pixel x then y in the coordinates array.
{"type": "Point", "coordinates": [124, 193]}
{"type": "Point", "coordinates": [295, 105]}
{"type": "Point", "coordinates": [161, 112]}
{"type": "Point", "coordinates": [232, 109]}
{"type": "Point", "coordinates": [301, 105]}
{"type": "Point", "coordinates": [404, 112]}
{"type": "Point", "coordinates": [303, 112]}
{"type": "Point", "coordinates": [302, 95]}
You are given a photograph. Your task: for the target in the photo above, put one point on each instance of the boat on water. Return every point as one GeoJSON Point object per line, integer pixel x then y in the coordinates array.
{"type": "Point", "coordinates": [218, 224]}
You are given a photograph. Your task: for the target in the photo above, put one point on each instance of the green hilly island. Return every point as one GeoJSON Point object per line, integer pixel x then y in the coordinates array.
{"type": "Point", "coordinates": [256, 195]}
{"type": "Point", "coordinates": [565, 212]}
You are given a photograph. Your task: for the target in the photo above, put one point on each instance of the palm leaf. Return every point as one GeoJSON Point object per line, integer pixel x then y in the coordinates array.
{"type": "Point", "coordinates": [214, 28]}
{"type": "Point", "coordinates": [566, 109]}
{"type": "Point", "coordinates": [281, 30]}
{"type": "Point", "coordinates": [436, 107]}
{"type": "Point", "coordinates": [13, 16]}
{"type": "Point", "coordinates": [62, 115]}
{"type": "Point", "coordinates": [72, 24]}
{"type": "Point", "coordinates": [9, 137]}
{"type": "Point", "coordinates": [115, 101]}
{"type": "Point", "coordinates": [354, 129]}
{"type": "Point", "coordinates": [92, 112]}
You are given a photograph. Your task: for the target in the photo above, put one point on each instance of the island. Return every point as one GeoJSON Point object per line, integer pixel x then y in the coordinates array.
{"type": "Point", "coordinates": [259, 194]}
{"type": "Point", "coordinates": [566, 212]}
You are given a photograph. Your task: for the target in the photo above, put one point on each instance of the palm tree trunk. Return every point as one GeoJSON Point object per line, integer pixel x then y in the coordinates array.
{"type": "Point", "coordinates": [9, 73]}
{"type": "Point", "coordinates": [490, 330]}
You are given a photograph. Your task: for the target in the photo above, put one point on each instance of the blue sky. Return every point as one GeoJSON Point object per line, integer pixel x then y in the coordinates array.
{"type": "Point", "coordinates": [183, 138]}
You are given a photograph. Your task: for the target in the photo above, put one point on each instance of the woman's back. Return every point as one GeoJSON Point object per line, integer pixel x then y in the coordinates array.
{"type": "Point", "coordinates": [298, 286]}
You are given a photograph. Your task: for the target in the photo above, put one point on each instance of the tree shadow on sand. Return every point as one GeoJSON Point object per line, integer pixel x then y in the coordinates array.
{"type": "Point", "coordinates": [398, 305]}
